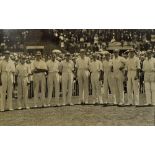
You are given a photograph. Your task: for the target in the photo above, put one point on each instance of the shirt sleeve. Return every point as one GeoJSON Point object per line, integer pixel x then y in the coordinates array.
{"type": "Point", "coordinates": [32, 66]}
{"type": "Point", "coordinates": [89, 67]}
{"type": "Point", "coordinates": [44, 65]}
{"type": "Point", "coordinates": [123, 60]}
{"type": "Point", "coordinates": [126, 65]}
{"type": "Point", "coordinates": [76, 64]}
{"type": "Point", "coordinates": [13, 69]}
{"type": "Point", "coordinates": [72, 65]}
{"type": "Point", "coordinates": [28, 69]}
{"type": "Point", "coordinates": [0, 67]}
{"type": "Point", "coordinates": [143, 65]}
{"type": "Point", "coordinates": [16, 70]}
{"type": "Point", "coordinates": [138, 64]}
{"type": "Point", "coordinates": [88, 62]}
{"type": "Point", "coordinates": [100, 66]}
{"type": "Point", "coordinates": [60, 66]}
{"type": "Point", "coordinates": [47, 64]}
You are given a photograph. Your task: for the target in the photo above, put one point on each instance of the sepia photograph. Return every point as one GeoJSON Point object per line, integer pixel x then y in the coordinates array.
{"type": "Point", "coordinates": [77, 77]}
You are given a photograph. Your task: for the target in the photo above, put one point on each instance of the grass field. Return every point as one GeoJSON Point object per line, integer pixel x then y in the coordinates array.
{"type": "Point", "coordinates": [81, 115]}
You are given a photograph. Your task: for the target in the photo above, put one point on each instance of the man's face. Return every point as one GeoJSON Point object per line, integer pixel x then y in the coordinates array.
{"type": "Point", "coordinates": [149, 55]}
{"type": "Point", "coordinates": [131, 54]}
{"type": "Point", "coordinates": [67, 58]}
{"type": "Point", "coordinates": [7, 56]}
{"type": "Point", "coordinates": [116, 54]}
{"type": "Point", "coordinates": [125, 56]}
{"type": "Point", "coordinates": [38, 57]}
{"type": "Point", "coordinates": [94, 57]}
{"type": "Point", "coordinates": [142, 58]}
{"type": "Point", "coordinates": [82, 54]}
{"type": "Point", "coordinates": [53, 57]}
{"type": "Point", "coordinates": [107, 56]}
{"type": "Point", "coordinates": [28, 61]}
{"type": "Point", "coordinates": [22, 61]}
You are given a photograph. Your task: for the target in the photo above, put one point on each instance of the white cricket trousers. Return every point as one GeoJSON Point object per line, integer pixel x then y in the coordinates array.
{"type": "Point", "coordinates": [7, 89]}
{"type": "Point", "coordinates": [22, 91]}
{"type": "Point", "coordinates": [95, 86]}
{"type": "Point", "coordinates": [132, 88]}
{"type": "Point", "coordinates": [83, 76]}
{"type": "Point", "coordinates": [119, 87]}
{"type": "Point", "coordinates": [149, 81]}
{"type": "Point", "coordinates": [109, 83]}
{"type": "Point", "coordinates": [67, 86]}
{"type": "Point", "coordinates": [53, 81]}
{"type": "Point", "coordinates": [39, 81]}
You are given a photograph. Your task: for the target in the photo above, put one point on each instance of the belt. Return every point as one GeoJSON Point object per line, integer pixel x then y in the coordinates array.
{"type": "Point", "coordinates": [95, 72]}
{"type": "Point", "coordinates": [82, 69]}
{"type": "Point", "coordinates": [148, 71]}
{"type": "Point", "coordinates": [39, 73]}
{"type": "Point", "coordinates": [22, 76]}
{"type": "Point", "coordinates": [54, 72]}
{"type": "Point", "coordinates": [6, 72]}
{"type": "Point", "coordinates": [67, 72]}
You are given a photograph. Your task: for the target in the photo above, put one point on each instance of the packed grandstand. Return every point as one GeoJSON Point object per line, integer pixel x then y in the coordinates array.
{"type": "Point", "coordinates": [71, 40]}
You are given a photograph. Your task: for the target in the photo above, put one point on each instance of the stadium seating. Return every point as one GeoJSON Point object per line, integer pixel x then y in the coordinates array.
{"type": "Point", "coordinates": [71, 39]}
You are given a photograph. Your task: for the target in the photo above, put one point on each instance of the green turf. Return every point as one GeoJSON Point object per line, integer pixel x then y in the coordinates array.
{"type": "Point", "coordinates": [80, 115]}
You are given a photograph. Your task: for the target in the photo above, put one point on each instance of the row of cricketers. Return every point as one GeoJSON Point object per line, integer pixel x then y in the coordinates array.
{"type": "Point", "coordinates": [113, 71]}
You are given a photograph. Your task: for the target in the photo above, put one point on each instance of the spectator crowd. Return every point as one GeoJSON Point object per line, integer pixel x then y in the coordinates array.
{"type": "Point", "coordinates": [84, 70]}
{"type": "Point", "coordinates": [96, 39]}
